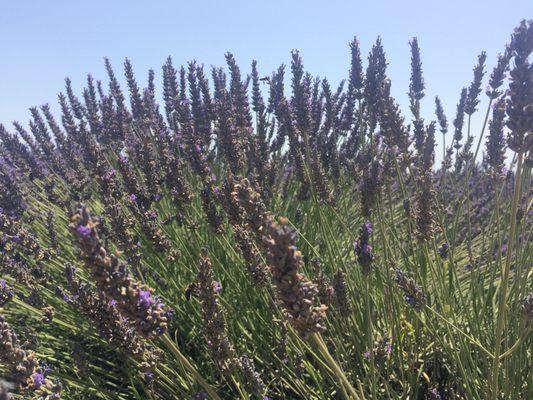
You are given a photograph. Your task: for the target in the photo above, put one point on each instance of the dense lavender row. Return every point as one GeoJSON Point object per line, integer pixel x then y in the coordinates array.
{"type": "Point", "coordinates": [302, 246]}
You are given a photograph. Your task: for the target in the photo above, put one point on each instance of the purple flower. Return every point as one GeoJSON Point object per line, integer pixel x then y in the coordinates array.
{"type": "Point", "coordinates": [368, 229]}
{"type": "Point", "coordinates": [46, 369]}
{"type": "Point", "coordinates": [84, 230]}
{"type": "Point", "coordinates": [217, 287]}
{"type": "Point", "coordinates": [363, 250]}
{"type": "Point", "coordinates": [149, 376]}
{"type": "Point", "coordinates": [38, 379]}
{"type": "Point", "coordinates": [434, 394]}
{"type": "Point", "coordinates": [169, 314]}
{"type": "Point", "coordinates": [145, 298]}
{"type": "Point", "coordinates": [6, 292]}
{"type": "Point", "coordinates": [109, 174]}
{"type": "Point", "coordinates": [443, 250]}
{"type": "Point", "coordinates": [413, 293]}
{"type": "Point", "coordinates": [366, 249]}
{"type": "Point", "coordinates": [133, 197]}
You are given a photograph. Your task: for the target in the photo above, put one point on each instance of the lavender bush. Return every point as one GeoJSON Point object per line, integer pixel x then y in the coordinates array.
{"type": "Point", "coordinates": [262, 236]}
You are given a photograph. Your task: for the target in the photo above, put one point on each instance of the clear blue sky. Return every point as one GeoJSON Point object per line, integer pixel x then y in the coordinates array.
{"type": "Point", "coordinates": [41, 42]}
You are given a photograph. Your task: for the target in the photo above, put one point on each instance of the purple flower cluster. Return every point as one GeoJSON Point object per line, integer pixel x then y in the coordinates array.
{"type": "Point", "coordinates": [112, 277]}
{"type": "Point", "coordinates": [24, 370]}
{"type": "Point", "coordinates": [6, 292]}
{"type": "Point", "coordinates": [413, 293]}
{"type": "Point", "coordinates": [363, 249]}
{"type": "Point", "coordinates": [443, 250]}
{"type": "Point", "coordinates": [295, 291]}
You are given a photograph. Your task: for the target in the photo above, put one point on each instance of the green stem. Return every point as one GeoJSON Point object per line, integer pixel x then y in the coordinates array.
{"type": "Point", "coordinates": [505, 283]}
{"type": "Point", "coordinates": [319, 342]}
{"type": "Point", "coordinates": [466, 335]}
{"type": "Point", "coordinates": [186, 363]}
{"type": "Point", "coordinates": [370, 337]}
{"type": "Point", "coordinates": [517, 344]}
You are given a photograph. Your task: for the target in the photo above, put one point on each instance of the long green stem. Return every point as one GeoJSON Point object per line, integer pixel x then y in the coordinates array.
{"type": "Point", "coordinates": [505, 282]}
{"type": "Point", "coordinates": [370, 336]}
{"type": "Point", "coordinates": [319, 342]}
{"type": "Point", "coordinates": [190, 368]}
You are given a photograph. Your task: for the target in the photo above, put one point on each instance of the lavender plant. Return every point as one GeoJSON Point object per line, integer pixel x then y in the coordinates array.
{"type": "Point", "coordinates": [343, 263]}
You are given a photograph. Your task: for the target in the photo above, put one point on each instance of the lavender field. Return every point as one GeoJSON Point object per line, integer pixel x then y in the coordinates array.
{"type": "Point", "coordinates": [253, 235]}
